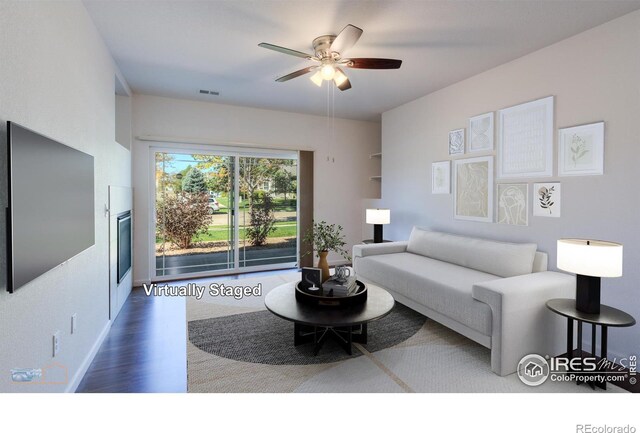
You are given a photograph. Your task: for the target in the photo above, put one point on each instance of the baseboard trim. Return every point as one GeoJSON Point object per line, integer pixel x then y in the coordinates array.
{"type": "Point", "coordinates": [140, 283]}
{"type": "Point", "coordinates": [77, 378]}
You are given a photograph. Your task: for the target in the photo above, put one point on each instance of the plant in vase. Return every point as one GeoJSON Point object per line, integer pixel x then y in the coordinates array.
{"type": "Point", "coordinates": [326, 237]}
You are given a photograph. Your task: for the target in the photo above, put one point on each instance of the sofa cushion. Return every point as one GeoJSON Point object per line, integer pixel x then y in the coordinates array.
{"type": "Point", "coordinates": [441, 286]}
{"type": "Point", "coordinates": [498, 258]}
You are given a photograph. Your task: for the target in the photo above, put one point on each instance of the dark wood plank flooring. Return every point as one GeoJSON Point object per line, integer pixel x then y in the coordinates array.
{"type": "Point", "coordinates": [146, 348]}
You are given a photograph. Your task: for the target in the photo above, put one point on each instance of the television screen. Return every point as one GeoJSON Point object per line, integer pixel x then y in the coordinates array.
{"type": "Point", "coordinates": [51, 213]}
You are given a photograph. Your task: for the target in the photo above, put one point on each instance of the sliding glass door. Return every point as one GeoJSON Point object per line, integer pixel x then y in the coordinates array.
{"type": "Point", "coordinates": [268, 217]}
{"type": "Point", "coordinates": [194, 205]}
{"type": "Point", "coordinates": [200, 226]}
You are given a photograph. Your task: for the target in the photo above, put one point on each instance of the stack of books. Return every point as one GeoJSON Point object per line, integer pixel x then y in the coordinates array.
{"type": "Point", "coordinates": [340, 288]}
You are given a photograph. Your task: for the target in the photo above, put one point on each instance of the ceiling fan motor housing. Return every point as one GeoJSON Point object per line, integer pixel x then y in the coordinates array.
{"type": "Point", "coordinates": [322, 48]}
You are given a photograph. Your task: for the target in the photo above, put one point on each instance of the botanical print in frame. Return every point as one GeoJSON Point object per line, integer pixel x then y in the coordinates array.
{"type": "Point", "coordinates": [525, 140]}
{"type": "Point", "coordinates": [473, 198]}
{"type": "Point", "coordinates": [513, 204]}
{"type": "Point", "coordinates": [547, 199]}
{"type": "Point", "coordinates": [441, 177]}
{"type": "Point", "coordinates": [581, 150]}
{"type": "Point", "coordinates": [481, 133]}
{"type": "Point", "coordinates": [456, 142]}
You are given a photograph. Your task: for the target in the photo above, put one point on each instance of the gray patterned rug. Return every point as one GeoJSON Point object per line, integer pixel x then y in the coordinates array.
{"type": "Point", "coordinates": [262, 338]}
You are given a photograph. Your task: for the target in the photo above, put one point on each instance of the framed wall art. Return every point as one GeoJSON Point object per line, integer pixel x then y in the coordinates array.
{"type": "Point", "coordinates": [513, 204]}
{"type": "Point", "coordinates": [456, 142]}
{"type": "Point", "coordinates": [547, 199]}
{"type": "Point", "coordinates": [441, 177]}
{"type": "Point", "coordinates": [525, 140]}
{"type": "Point", "coordinates": [481, 133]}
{"type": "Point", "coordinates": [581, 150]}
{"type": "Point", "coordinates": [473, 198]}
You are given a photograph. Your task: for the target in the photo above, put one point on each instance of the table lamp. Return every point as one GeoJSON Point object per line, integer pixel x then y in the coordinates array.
{"type": "Point", "coordinates": [378, 217]}
{"type": "Point", "coordinates": [589, 260]}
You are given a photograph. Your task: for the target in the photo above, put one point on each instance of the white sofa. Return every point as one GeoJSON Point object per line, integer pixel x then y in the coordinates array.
{"type": "Point", "coordinates": [491, 292]}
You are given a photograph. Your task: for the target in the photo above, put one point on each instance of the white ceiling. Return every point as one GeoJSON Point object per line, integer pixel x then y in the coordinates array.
{"type": "Point", "coordinates": [176, 48]}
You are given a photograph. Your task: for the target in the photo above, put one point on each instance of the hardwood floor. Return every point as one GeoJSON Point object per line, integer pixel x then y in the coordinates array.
{"type": "Point", "coordinates": [146, 349]}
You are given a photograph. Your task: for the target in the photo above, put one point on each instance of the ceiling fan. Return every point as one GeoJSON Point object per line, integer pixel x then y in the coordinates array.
{"type": "Point", "coordinates": [329, 61]}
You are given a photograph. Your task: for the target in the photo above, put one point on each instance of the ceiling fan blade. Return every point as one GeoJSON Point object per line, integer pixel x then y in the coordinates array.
{"type": "Point", "coordinates": [346, 39]}
{"type": "Point", "coordinates": [285, 50]}
{"type": "Point", "coordinates": [296, 74]}
{"type": "Point", "coordinates": [365, 63]}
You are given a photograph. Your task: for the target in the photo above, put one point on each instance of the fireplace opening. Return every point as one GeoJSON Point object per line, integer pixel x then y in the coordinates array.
{"type": "Point", "coordinates": [124, 244]}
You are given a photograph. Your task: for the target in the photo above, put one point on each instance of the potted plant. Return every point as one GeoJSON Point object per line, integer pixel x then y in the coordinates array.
{"type": "Point", "coordinates": [326, 237]}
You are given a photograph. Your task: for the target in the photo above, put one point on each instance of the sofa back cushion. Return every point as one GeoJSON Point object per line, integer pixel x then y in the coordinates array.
{"type": "Point", "coordinates": [498, 258]}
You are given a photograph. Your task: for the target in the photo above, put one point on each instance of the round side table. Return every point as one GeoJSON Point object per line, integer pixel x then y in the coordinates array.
{"type": "Point", "coordinates": [608, 317]}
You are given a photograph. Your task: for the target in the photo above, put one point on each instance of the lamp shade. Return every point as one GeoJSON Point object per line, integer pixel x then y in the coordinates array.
{"type": "Point", "coordinates": [378, 216]}
{"type": "Point", "coordinates": [589, 257]}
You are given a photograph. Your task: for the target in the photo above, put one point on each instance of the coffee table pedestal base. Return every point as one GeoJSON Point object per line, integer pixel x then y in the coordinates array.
{"type": "Point", "coordinates": [344, 335]}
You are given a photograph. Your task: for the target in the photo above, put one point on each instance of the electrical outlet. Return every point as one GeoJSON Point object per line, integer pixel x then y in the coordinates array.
{"type": "Point", "coordinates": [74, 323]}
{"type": "Point", "coordinates": [56, 343]}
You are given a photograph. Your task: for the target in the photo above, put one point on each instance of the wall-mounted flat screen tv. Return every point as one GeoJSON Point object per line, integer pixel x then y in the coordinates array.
{"type": "Point", "coordinates": [51, 211]}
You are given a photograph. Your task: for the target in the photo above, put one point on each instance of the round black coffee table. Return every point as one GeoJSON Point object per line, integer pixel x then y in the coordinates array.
{"type": "Point", "coordinates": [314, 324]}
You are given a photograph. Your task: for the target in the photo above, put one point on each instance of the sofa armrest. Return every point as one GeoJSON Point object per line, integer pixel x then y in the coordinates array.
{"type": "Point", "coordinates": [365, 250]}
{"type": "Point", "coordinates": [521, 323]}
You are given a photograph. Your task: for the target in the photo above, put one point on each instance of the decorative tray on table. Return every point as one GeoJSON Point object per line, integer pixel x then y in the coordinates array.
{"type": "Point", "coordinates": [320, 298]}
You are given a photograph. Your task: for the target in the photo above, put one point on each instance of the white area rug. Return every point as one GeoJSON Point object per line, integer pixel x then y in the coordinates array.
{"type": "Point", "coordinates": [435, 359]}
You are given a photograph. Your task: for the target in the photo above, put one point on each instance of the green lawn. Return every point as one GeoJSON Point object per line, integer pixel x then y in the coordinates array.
{"type": "Point", "coordinates": [221, 233]}
{"type": "Point", "coordinates": [279, 205]}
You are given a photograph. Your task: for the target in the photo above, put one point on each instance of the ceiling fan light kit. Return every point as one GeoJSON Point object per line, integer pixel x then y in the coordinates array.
{"type": "Point", "coordinates": [327, 72]}
{"type": "Point", "coordinates": [317, 79]}
{"type": "Point", "coordinates": [339, 77]}
{"type": "Point", "coordinates": [328, 51]}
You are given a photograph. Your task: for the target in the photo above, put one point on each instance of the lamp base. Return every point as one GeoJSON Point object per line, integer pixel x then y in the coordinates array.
{"type": "Point", "coordinates": [588, 294]}
{"type": "Point", "coordinates": [377, 233]}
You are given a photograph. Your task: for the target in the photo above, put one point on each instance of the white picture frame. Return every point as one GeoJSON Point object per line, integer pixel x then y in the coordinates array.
{"type": "Point", "coordinates": [547, 199]}
{"type": "Point", "coordinates": [525, 140]}
{"type": "Point", "coordinates": [456, 142]}
{"type": "Point", "coordinates": [581, 150]}
{"type": "Point", "coordinates": [512, 204]}
{"type": "Point", "coordinates": [481, 132]}
{"type": "Point", "coordinates": [473, 198]}
{"type": "Point", "coordinates": [441, 177]}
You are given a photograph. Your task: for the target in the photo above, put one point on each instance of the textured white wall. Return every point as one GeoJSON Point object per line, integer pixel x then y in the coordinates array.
{"type": "Point", "coordinates": [340, 186]}
{"type": "Point", "coordinates": [594, 76]}
{"type": "Point", "coordinates": [57, 78]}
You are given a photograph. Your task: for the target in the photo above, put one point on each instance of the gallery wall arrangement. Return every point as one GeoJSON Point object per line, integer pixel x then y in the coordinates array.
{"type": "Point", "coordinates": [524, 150]}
